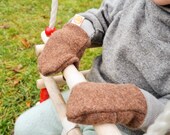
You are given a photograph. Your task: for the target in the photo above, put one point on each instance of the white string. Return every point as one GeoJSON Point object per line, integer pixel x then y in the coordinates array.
{"type": "Point", "coordinates": [53, 16]}
{"type": "Point", "coordinates": [162, 123]}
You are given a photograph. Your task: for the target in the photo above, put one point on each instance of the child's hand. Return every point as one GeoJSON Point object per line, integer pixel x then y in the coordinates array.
{"type": "Point", "coordinates": [98, 103]}
{"type": "Point", "coordinates": [65, 47]}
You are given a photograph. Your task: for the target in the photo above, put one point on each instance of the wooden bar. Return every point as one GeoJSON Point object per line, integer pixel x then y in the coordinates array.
{"type": "Point", "coordinates": [59, 103]}
{"type": "Point", "coordinates": [58, 79]}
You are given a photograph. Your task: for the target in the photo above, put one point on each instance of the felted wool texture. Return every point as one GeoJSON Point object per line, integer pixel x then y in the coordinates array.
{"type": "Point", "coordinates": [64, 47]}
{"type": "Point", "coordinates": [97, 103]}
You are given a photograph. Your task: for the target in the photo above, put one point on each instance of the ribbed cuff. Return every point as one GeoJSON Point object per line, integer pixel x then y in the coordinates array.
{"type": "Point", "coordinates": [87, 27]}
{"type": "Point", "coordinates": [154, 108]}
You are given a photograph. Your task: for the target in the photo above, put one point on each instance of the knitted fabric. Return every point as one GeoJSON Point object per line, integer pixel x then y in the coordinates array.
{"type": "Point", "coordinates": [97, 103]}
{"type": "Point", "coordinates": [64, 47]}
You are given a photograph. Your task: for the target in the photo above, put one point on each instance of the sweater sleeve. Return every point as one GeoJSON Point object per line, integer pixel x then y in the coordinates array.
{"type": "Point", "coordinates": [97, 21]}
{"type": "Point", "coordinates": [154, 108]}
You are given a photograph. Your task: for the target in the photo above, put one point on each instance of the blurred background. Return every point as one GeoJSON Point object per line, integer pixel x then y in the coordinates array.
{"type": "Point", "coordinates": [21, 22]}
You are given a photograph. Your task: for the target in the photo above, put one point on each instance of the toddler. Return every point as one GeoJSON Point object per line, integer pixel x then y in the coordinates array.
{"type": "Point", "coordinates": [129, 83]}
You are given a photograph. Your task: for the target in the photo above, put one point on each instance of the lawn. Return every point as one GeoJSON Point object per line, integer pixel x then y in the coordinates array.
{"type": "Point", "coordinates": [21, 22]}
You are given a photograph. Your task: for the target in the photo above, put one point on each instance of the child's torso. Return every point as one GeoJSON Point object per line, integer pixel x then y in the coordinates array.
{"type": "Point", "coordinates": [136, 49]}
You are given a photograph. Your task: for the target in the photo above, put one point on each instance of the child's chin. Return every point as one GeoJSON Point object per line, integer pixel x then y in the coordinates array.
{"type": "Point", "coordinates": [162, 2]}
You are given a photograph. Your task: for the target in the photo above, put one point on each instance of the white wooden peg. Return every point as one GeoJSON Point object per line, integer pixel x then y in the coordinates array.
{"type": "Point", "coordinates": [58, 79]}
{"type": "Point", "coordinates": [44, 37]}
{"type": "Point", "coordinates": [39, 49]}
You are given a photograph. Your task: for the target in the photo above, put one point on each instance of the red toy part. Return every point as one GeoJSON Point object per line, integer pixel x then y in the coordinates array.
{"type": "Point", "coordinates": [43, 95]}
{"type": "Point", "coordinates": [49, 31]}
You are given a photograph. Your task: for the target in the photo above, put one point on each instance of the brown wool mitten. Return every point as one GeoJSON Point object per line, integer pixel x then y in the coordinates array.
{"type": "Point", "coordinates": [97, 103]}
{"type": "Point", "coordinates": [64, 47]}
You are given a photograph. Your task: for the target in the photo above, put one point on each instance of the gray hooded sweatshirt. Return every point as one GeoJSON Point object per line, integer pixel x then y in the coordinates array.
{"type": "Point", "coordinates": [135, 38]}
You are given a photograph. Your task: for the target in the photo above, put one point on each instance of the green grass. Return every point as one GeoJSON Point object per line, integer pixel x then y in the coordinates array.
{"type": "Point", "coordinates": [21, 22]}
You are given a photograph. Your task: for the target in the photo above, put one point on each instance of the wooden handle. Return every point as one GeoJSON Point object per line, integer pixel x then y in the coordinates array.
{"type": "Point", "coordinates": [107, 129]}
{"type": "Point", "coordinates": [58, 79]}
{"type": "Point", "coordinates": [58, 102]}
{"type": "Point", "coordinates": [39, 49]}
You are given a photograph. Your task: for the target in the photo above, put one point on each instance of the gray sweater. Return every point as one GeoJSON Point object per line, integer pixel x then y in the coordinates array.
{"type": "Point", "coordinates": [135, 37]}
